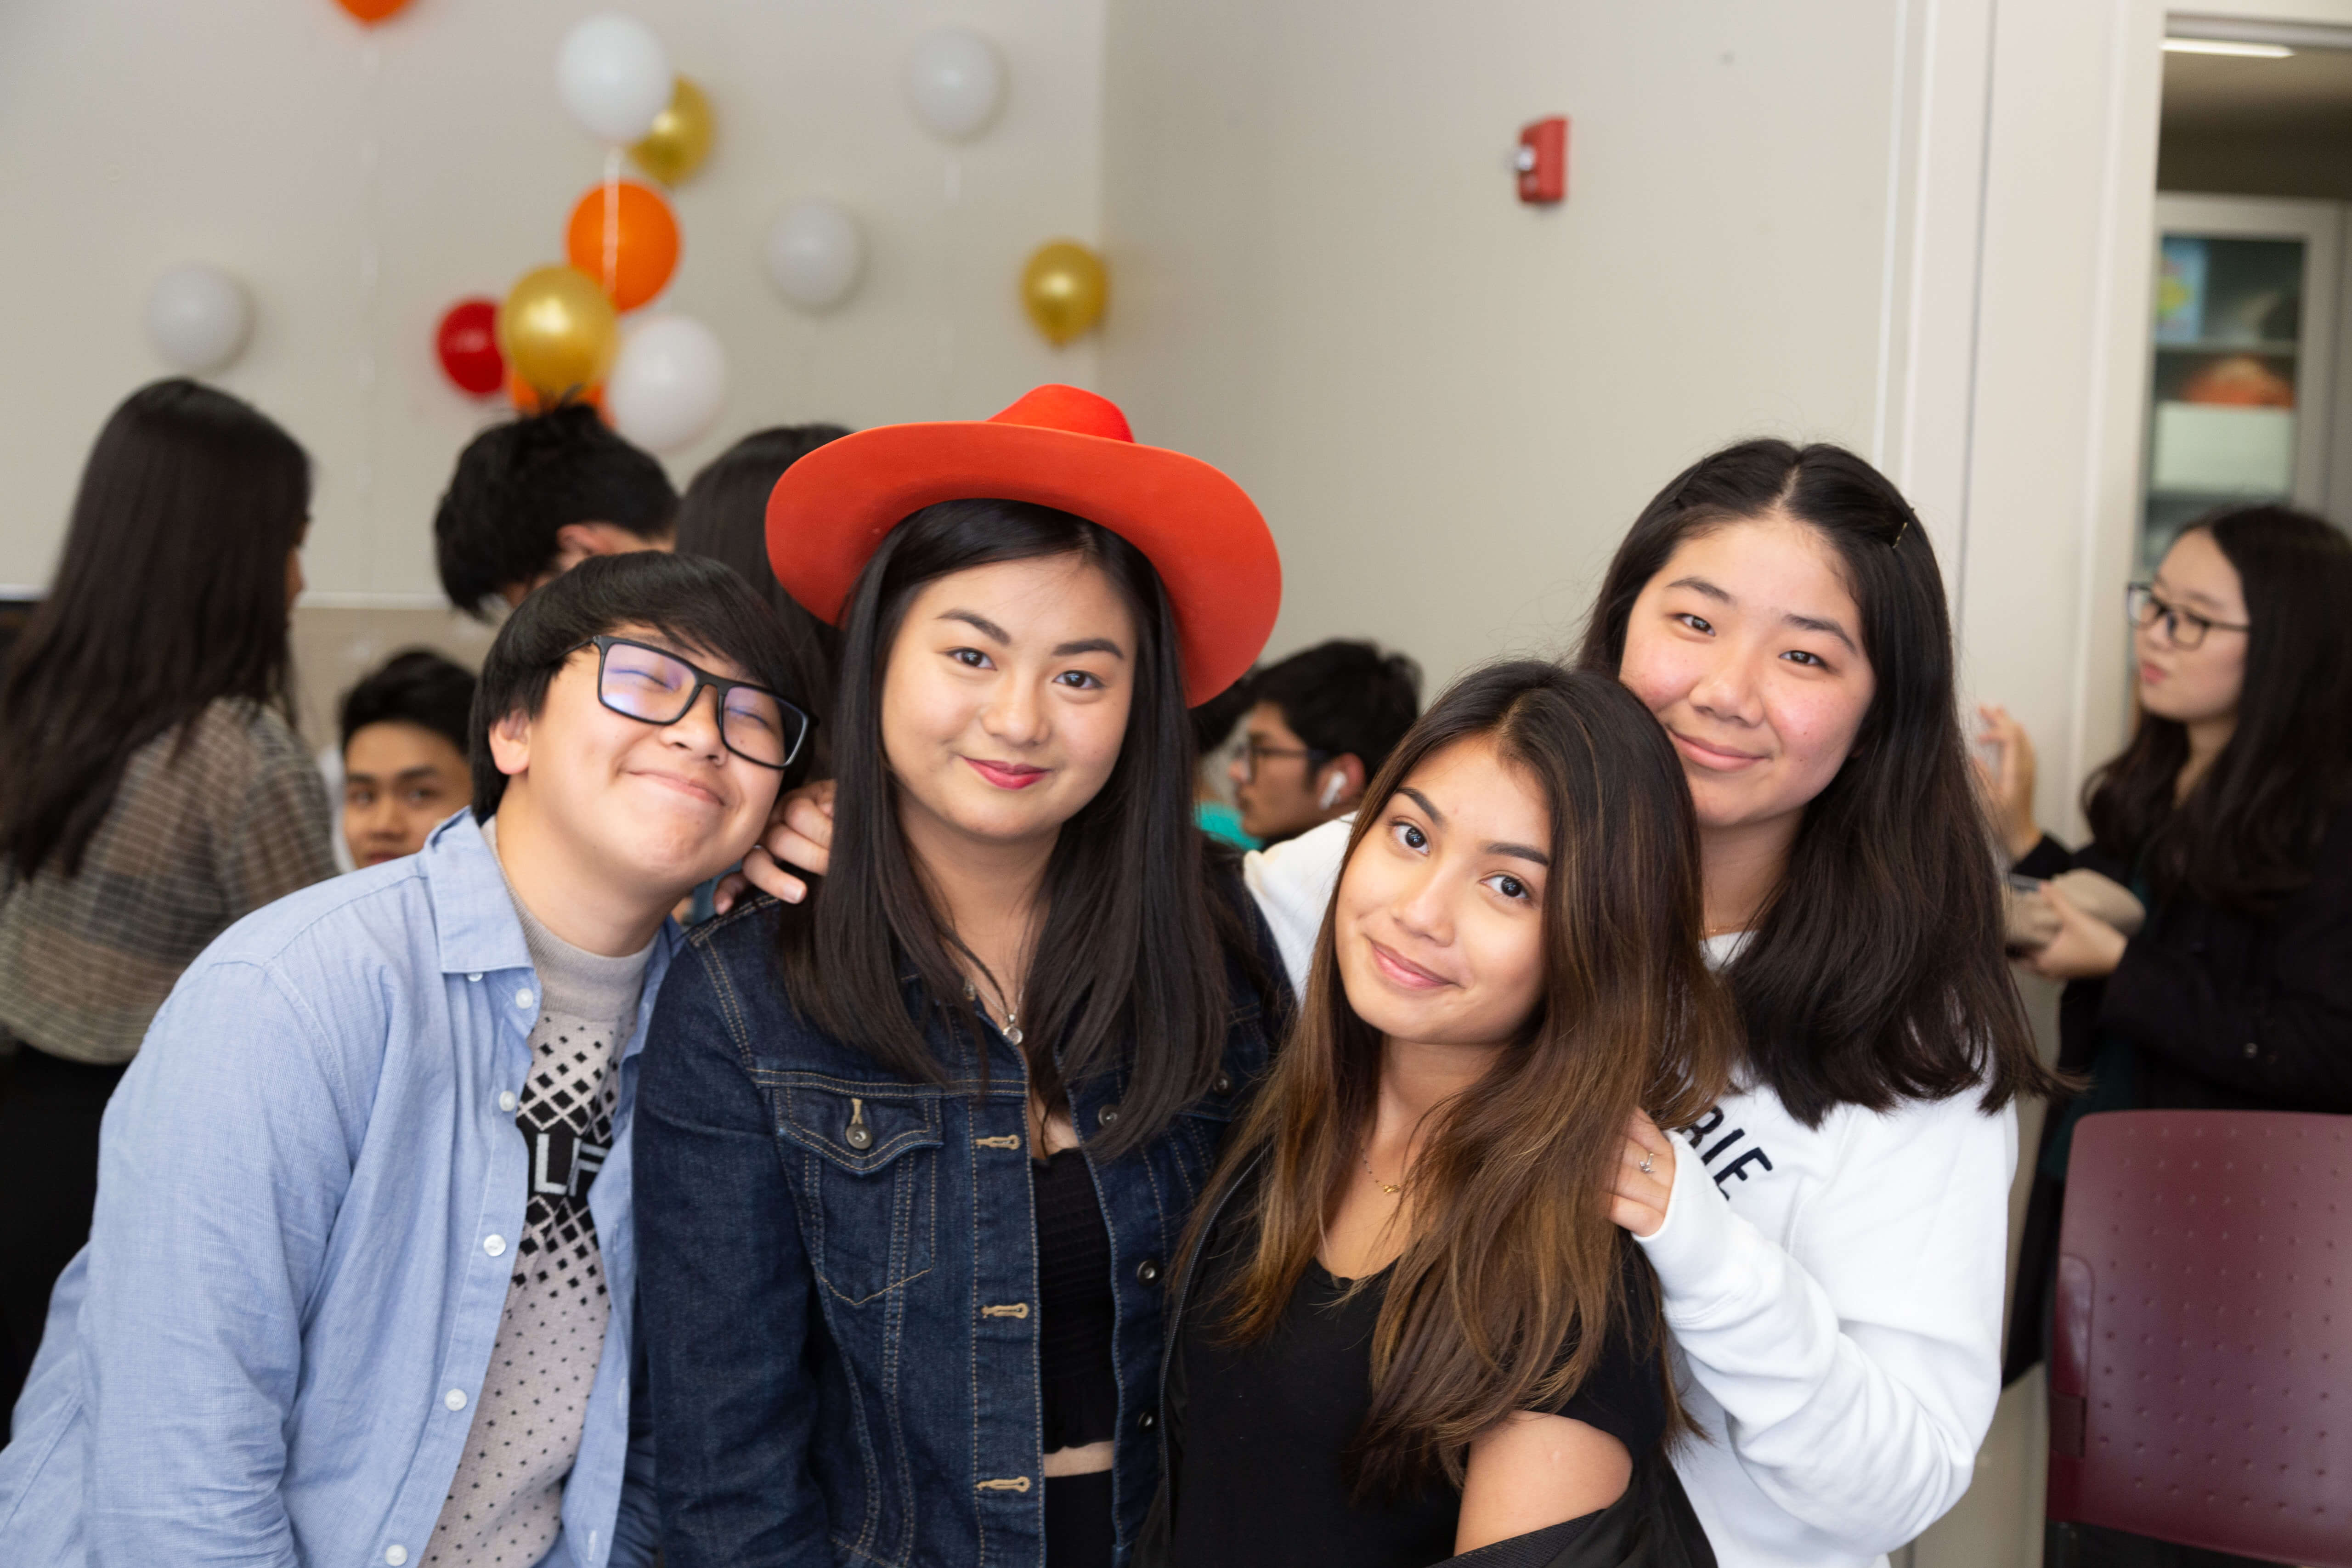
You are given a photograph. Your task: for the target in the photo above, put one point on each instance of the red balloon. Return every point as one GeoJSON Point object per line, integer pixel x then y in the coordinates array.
{"type": "Point", "coordinates": [468, 345]}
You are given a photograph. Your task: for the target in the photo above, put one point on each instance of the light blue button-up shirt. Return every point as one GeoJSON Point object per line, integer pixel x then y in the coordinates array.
{"type": "Point", "coordinates": [309, 1185]}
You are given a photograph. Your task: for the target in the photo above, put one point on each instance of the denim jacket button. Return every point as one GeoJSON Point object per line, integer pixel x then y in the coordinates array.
{"type": "Point", "coordinates": [1145, 1422]}
{"type": "Point", "coordinates": [1148, 1271]}
{"type": "Point", "coordinates": [1108, 1116]}
{"type": "Point", "coordinates": [1224, 1084]}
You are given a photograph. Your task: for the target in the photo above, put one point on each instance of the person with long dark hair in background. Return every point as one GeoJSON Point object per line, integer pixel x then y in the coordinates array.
{"type": "Point", "coordinates": [1836, 1323]}
{"type": "Point", "coordinates": [1405, 1326]}
{"type": "Point", "coordinates": [724, 515]}
{"type": "Point", "coordinates": [2205, 932]}
{"type": "Point", "coordinates": [152, 789]}
{"type": "Point", "coordinates": [915, 1156]}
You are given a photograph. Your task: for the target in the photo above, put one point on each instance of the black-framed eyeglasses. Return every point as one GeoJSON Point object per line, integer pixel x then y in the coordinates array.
{"type": "Point", "coordinates": [2184, 630]}
{"type": "Point", "coordinates": [655, 686]}
{"type": "Point", "coordinates": [1254, 751]}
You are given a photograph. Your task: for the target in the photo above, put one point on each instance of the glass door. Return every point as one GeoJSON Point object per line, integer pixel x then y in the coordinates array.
{"type": "Point", "coordinates": [2243, 340]}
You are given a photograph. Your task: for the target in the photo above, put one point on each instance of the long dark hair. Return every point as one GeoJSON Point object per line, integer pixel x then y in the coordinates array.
{"type": "Point", "coordinates": [2245, 834]}
{"type": "Point", "coordinates": [1876, 971]}
{"type": "Point", "coordinates": [1129, 968]}
{"type": "Point", "coordinates": [724, 515]}
{"type": "Point", "coordinates": [170, 596]}
{"type": "Point", "coordinates": [1511, 1284]}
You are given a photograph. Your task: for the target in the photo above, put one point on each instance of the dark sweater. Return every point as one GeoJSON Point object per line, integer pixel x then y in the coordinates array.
{"type": "Point", "coordinates": [2218, 1009]}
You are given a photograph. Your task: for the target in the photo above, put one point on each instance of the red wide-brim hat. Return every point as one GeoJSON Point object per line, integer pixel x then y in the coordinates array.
{"type": "Point", "coordinates": [1058, 447]}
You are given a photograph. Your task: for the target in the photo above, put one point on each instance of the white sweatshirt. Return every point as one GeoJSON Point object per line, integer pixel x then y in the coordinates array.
{"type": "Point", "coordinates": [1834, 1293]}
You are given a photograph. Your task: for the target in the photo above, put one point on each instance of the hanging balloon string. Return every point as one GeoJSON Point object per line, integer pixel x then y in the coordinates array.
{"type": "Point", "coordinates": [612, 219]}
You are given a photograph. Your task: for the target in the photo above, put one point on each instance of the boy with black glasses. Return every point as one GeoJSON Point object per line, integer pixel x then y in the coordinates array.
{"type": "Point", "coordinates": [360, 1285]}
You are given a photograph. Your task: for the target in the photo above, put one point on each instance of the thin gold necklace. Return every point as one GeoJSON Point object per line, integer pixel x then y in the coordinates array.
{"type": "Point", "coordinates": [1384, 1186]}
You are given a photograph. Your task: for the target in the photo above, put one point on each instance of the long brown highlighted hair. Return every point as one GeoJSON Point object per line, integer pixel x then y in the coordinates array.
{"type": "Point", "coordinates": [1511, 1283]}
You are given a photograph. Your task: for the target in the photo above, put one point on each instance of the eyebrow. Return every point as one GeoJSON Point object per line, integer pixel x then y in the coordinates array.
{"type": "Point", "coordinates": [1803, 622]}
{"type": "Point", "coordinates": [423, 772]}
{"type": "Point", "coordinates": [979, 623]}
{"type": "Point", "coordinates": [1498, 847]}
{"type": "Point", "coordinates": [995, 633]}
{"type": "Point", "coordinates": [2193, 595]}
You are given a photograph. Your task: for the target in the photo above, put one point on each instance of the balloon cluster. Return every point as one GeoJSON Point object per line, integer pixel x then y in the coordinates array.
{"type": "Point", "coordinates": [559, 333]}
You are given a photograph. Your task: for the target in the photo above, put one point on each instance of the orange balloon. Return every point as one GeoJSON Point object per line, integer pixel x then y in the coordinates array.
{"type": "Point", "coordinates": [526, 398]}
{"type": "Point", "coordinates": [371, 11]}
{"type": "Point", "coordinates": [623, 236]}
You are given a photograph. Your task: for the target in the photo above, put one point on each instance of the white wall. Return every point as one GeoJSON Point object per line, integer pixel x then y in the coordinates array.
{"type": "Point", "coordinates": [137, 133]}
{"type": "Point", "coordinates": [1450, 404]}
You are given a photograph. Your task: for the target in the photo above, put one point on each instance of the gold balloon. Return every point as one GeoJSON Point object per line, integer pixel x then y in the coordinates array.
{"type": "Point", "coordinates": [1064, 288]}
{"type": "Point", "coordinates": [680, 139]}
{"type": "Point", "coordinates": [558, 330]}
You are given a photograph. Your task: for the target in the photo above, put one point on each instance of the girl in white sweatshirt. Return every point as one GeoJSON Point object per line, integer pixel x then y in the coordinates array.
{"type": "Point", "coordinates": [1831, 1236]}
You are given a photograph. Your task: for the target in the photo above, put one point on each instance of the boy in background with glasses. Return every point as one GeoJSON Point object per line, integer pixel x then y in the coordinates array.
{"type": "Point", "coordinates": [1323, 721]}
{"type": "Point", "coordinates": [360, 1285]}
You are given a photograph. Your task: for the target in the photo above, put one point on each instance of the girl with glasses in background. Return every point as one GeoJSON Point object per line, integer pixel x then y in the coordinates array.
{"type": "Point", "coordinates": [2205, 932]}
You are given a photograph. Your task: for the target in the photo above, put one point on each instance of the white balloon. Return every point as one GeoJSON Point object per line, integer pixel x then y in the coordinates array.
{"type": "Point", "coordinates": [668, 383]}
{"type": "Point", "coordinates": [615, 76]}
{"type": "Point", "coordinates": [955, 81]}
{"type": "Point", "coordinates": [814, 253]}
{"type": "Point", "coordinates": [198, 317]}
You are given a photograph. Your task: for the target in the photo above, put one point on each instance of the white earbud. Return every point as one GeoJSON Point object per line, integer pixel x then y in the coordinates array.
{"type": "Point", "coordinates": [1331, 792]}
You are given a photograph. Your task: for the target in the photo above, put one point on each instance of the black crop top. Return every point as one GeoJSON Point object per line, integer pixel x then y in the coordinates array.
{"type": "Point", "coordinates": [1077, 1313]}
{"type": "Point", "coordinates": [1267, 1423]}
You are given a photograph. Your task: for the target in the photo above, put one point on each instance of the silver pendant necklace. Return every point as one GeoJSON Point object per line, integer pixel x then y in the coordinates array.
{"type": "Point", "coordinates": [1012, 1030]}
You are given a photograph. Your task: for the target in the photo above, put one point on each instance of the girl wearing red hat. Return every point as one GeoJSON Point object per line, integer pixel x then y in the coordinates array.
{"type": "Point", "coordinates": [915, 1154]}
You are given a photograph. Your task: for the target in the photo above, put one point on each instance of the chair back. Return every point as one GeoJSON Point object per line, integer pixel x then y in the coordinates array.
{"type": "Point", "coordinates": [2200, 1353]}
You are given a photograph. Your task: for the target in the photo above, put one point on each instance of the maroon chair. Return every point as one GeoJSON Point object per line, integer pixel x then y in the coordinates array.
{"type": "Point", "coordinates": [2200, 1355]}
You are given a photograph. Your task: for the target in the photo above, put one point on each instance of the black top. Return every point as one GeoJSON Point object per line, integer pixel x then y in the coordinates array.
{"type": "Point", "coordinates": [2215, 1009]}
{"type": "Point", "coordinates": [1266, 1425]}
{"type": "Point", "coordinates": [1077, 1313]}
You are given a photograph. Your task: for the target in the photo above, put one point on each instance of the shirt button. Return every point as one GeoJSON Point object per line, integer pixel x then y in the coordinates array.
{"type": "Point", "coordinates": [395, 1555]}
{"type": "Point", "coordinates": [455, 1399]}
{"type": "Point", "coordinates": [1148, 1271]}
{"type": "Point", "coordinates": [507, 1100]}
{"type": "Point", "coordinates": [494, 1244]}
{"type": "Point", "coordinates": [1106, 1117]}
{"type": "Point", "coordinates": [522, 998]}
{"type": "Point", "coordinates": [2250, 1050]}
{"type": "Point", "coordinates": [475, 978]}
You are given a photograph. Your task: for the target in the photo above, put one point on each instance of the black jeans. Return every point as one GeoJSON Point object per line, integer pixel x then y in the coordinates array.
{"type": "Point", "coordinates": [49, 1111]}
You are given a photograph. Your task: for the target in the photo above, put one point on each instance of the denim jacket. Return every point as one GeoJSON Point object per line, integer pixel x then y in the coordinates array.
{"type": "Point", "coordinates": [839, 1274]}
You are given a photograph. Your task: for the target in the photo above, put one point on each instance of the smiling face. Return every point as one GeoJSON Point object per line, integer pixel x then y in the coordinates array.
{"type": "Point", "coordinates": [647, 810]}
{"type": "Point", "coordinates": [1747, 645]}
{"type": "Point", "coordinates": [1438, 926]}
{"type": "Point", "coordinates": [1006, 700]}
{"type": "Point", "coordinates": [2200, 685]}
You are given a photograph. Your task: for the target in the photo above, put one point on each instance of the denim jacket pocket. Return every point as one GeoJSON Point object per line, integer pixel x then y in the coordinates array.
{"type": "Point", "coordinates": [867, 1182]}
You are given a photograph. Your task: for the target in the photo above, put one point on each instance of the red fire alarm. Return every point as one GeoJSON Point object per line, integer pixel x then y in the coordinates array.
{"type": "Point", "coordinates": [1543, 161]}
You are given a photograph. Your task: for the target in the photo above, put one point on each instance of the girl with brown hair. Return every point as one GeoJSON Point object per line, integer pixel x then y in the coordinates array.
{"type": "Point", "coordinates": [1404, 1325]}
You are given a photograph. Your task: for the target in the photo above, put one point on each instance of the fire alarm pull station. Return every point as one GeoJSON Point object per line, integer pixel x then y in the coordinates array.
{"type": "Point", "coordinates": [1542, 162]}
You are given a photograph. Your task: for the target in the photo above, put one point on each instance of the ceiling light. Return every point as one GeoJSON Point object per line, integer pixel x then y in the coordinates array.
{"type": "Point", "coordinates": [2226, 46]}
